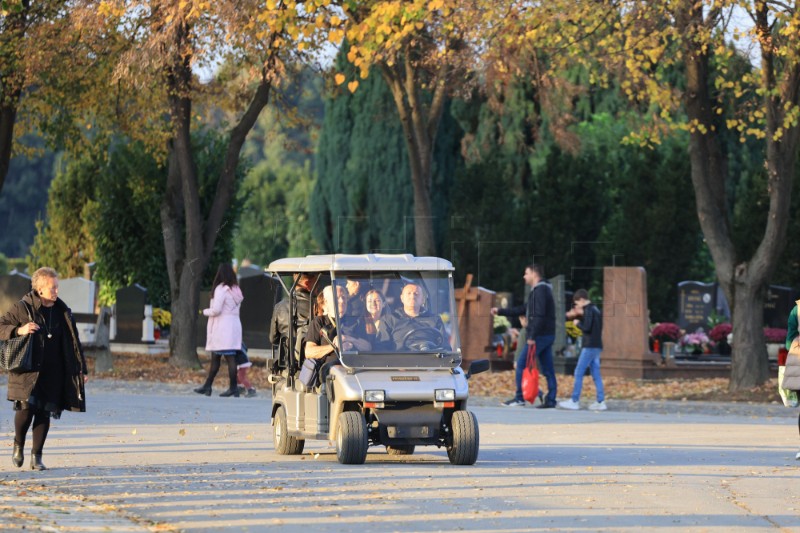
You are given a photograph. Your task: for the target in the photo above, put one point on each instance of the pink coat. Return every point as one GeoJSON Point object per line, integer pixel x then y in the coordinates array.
{"type": "Point", "coordinates": [224, 330]}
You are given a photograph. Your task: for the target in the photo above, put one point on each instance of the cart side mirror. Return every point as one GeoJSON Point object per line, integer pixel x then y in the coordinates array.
{"type": "Point", "coordinates": [476, 367]}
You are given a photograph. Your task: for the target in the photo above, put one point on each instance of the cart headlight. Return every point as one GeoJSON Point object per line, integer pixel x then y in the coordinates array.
{"type": "Point", "coordinates": [374, 396]}
{"type": "Point", "coordinates": [444, 395]}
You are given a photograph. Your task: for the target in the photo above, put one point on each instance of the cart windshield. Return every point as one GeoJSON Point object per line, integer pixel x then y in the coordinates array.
{"type": "Point", "coordinates": [396, 319]}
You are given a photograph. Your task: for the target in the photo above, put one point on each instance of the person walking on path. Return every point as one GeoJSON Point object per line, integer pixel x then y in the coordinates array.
{"type": "Point", "coordinates": [243, 365]}
{"type": "Point", "coordinates": [540, 331]}
{"type": "Point", "coordinates": [224, 330]}
{"type": "Point", "coordinates": [791, 335]}
{"type": "Point", "coordinates": [56, 383]}
{"type": "Point", "coordinates": [588, 318]}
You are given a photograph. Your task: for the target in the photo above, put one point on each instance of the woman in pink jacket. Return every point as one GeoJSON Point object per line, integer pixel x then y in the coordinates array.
{"type": "Point", "coordinates": [224, 333]}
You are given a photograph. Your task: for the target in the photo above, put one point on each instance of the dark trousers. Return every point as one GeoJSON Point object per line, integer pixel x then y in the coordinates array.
{"type": "Point", "coordinates": [41, 425]}
{"type": "Point", "coordinates": [215, 364]}
{"type": "Point", "coordinates": [544, 353]}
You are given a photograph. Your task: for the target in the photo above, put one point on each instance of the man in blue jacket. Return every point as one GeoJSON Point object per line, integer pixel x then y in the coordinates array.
{"type": "Point", "coordinates": [540, 331]}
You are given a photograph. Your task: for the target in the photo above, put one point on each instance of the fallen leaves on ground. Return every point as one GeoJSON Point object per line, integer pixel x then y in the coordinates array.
{"type": "Point", "coordinates": [139, 367]}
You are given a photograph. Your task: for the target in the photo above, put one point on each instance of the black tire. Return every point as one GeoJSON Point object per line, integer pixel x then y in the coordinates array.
{"type": "Point", "coordinates": [465, 441]}
{"type": "Point", "coordinates": [400, 450]}
{"type": "Point", "coordinates": [284, 443]}
{"type": "Point", "coordinates": [351, 438]}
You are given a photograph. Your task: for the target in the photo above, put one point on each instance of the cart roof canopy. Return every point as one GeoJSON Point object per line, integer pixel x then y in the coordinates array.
{"type": "Point", "coordinates": [369, 262]}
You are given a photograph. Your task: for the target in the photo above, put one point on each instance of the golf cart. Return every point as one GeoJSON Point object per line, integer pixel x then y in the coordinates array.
{"type": "Point", "coordinates": [401, 387]}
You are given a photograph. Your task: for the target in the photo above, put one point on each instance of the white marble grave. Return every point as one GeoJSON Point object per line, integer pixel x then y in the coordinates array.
{"type": "Point", "coordinates": [79, 294]}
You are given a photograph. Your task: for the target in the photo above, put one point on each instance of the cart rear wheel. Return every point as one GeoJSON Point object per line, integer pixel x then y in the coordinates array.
{"type": "Point", "coordinates": [284, 443]}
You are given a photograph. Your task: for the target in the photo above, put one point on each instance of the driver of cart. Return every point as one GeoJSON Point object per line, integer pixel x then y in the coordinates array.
{"type": "Point", "coordinates": [396, 328]}
{"type": "Point", "coordinates": [324, 333]}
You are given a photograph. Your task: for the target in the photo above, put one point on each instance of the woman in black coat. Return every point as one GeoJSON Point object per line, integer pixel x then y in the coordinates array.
{"type": "Point", "coordinates": [56, 382]}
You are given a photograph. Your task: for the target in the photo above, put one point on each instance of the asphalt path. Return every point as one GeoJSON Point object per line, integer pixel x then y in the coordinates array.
{"type": "Point", "coordinates": [150, 457]}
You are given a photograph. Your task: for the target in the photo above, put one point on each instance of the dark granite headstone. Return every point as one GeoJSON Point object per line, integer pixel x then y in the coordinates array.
{"type": "Point", "coordinates": [778, 303]}
{"type": "Point", "coordinates": [13, 287]}
{"type": "Point", "coordinates": [559, 298]}
{"type": "Point", "coordinates": [249, 271]}
{"type": "Point", "coordinates": [130, 313]}
{"type": "Point", "coordinates": [696, 302]}
{"type": "Point", "coordinates": [202, 321]}
{"type": "Point", "coordinates": [260, 295]}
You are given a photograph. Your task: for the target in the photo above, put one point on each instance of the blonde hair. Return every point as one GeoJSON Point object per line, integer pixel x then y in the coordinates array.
{"type": "Point", "coordinates": [44, 272]}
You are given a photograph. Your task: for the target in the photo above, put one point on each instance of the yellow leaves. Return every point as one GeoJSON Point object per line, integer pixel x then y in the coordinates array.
{"type": "Point", "coordinates": [335, 36]}
{"type": "Point", "coordinates": [339, 78]}
{"type": "Point", "coordinates": [352, 86]}
{"type": "Point", "coordinates": [110, 10]}
{"type": "Point", "coordinates": [433, 5]}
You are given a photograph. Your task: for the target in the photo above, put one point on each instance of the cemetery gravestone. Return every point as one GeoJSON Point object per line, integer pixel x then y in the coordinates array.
{"type": "Point", "coordinates": [202, 321]}
{"type": "Point", "coordinates": [249, 271]}
{"type": "Point", "coordinates": [778, 303]}
{"type": "Point", "coordinates": [696, 302]}
{"type": "Point", "coordinates": [260, 292]}
{"type": "Point", "coordinates": [559, 298]}
{"type": "Point", "coordinates": [79, 295]}
{"type": "Point", "coordinates": [625, 322]}
{"type": "Point", "coordinates": [130, 313]}
{"type": "Point", "coordinates": [475, 320]}
{"type": "Point", "coordinates": [12, 288]}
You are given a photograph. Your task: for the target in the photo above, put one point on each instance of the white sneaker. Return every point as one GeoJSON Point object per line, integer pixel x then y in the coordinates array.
{"type": "Point", "coordinates": [569, 404]}
{"type": "Point", "coordinates": [598, 406]}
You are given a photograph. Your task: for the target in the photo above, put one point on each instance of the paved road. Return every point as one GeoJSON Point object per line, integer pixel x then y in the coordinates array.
{"type": "Point", "coordinates": [158, 457]}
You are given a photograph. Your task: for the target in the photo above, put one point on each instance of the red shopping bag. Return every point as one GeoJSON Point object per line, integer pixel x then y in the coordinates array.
{"type": "Point", "coordinates": [530, 376]}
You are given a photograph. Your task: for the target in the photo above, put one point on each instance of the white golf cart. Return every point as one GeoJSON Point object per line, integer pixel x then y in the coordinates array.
{"type": "Point", "coordinates": [406, 390]}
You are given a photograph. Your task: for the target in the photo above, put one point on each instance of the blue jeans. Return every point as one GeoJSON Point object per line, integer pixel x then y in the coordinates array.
{"type": "Point", "coordinates": [589, 358]}
{"type": "Point", "coordinates": [544, 353]}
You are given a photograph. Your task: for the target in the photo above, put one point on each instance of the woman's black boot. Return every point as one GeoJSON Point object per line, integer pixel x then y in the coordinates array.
{"type": "Point", "coordinates": [205, 389]}
{"type": "Point", "coordinates": [230, 392]}
{"type": "Point", "coordinates": [17, 458]}
{"type": "Point", "coordinates": [36, 462]}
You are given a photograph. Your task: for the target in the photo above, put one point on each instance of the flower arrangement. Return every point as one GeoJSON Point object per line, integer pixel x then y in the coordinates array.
{"type": "Point", "coordinates": [500, 324]}
{"type": "Point", "coordinates": [695, 342]}
{"type": "Point", "coordinates": [162, 317]}
{"type": "Point", "coordinates": [775, 335]}
{"type": "Point", "coordinates": [720, 332]}
{"type": "Point", "coordinates": [666, 332]}
{"type": "Point", "coordinates": [573, 331]}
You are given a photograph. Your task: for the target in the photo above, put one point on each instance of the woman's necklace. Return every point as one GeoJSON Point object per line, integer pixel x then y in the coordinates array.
{"type": "Point", "coordinates": [49, 322]}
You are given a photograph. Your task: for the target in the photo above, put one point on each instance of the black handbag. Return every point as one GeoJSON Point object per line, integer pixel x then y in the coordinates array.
{"type": "Point", "coordinates": [16, 355]}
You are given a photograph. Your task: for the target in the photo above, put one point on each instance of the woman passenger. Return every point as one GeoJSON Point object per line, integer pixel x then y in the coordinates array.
{"type": "Point", "coordinates": [375, 304]}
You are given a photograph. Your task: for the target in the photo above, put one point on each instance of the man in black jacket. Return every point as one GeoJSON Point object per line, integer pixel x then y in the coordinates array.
{"type": "Point", "coordinates": [540, 332]}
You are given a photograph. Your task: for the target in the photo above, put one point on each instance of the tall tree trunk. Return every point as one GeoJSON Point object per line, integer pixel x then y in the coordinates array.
{"type": "Point", "coordinates": [189, 239]}
{"type": "Point", "coordinates": [187, 271]}
{"type": "Point", "coordinates": [420, 122]}
{"type": "Point", "coordinates": [743, 281]}
{"type": "Point", "coordinates": [749, 364]}
{"type": "Point", "coordinates": [12, 79]}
